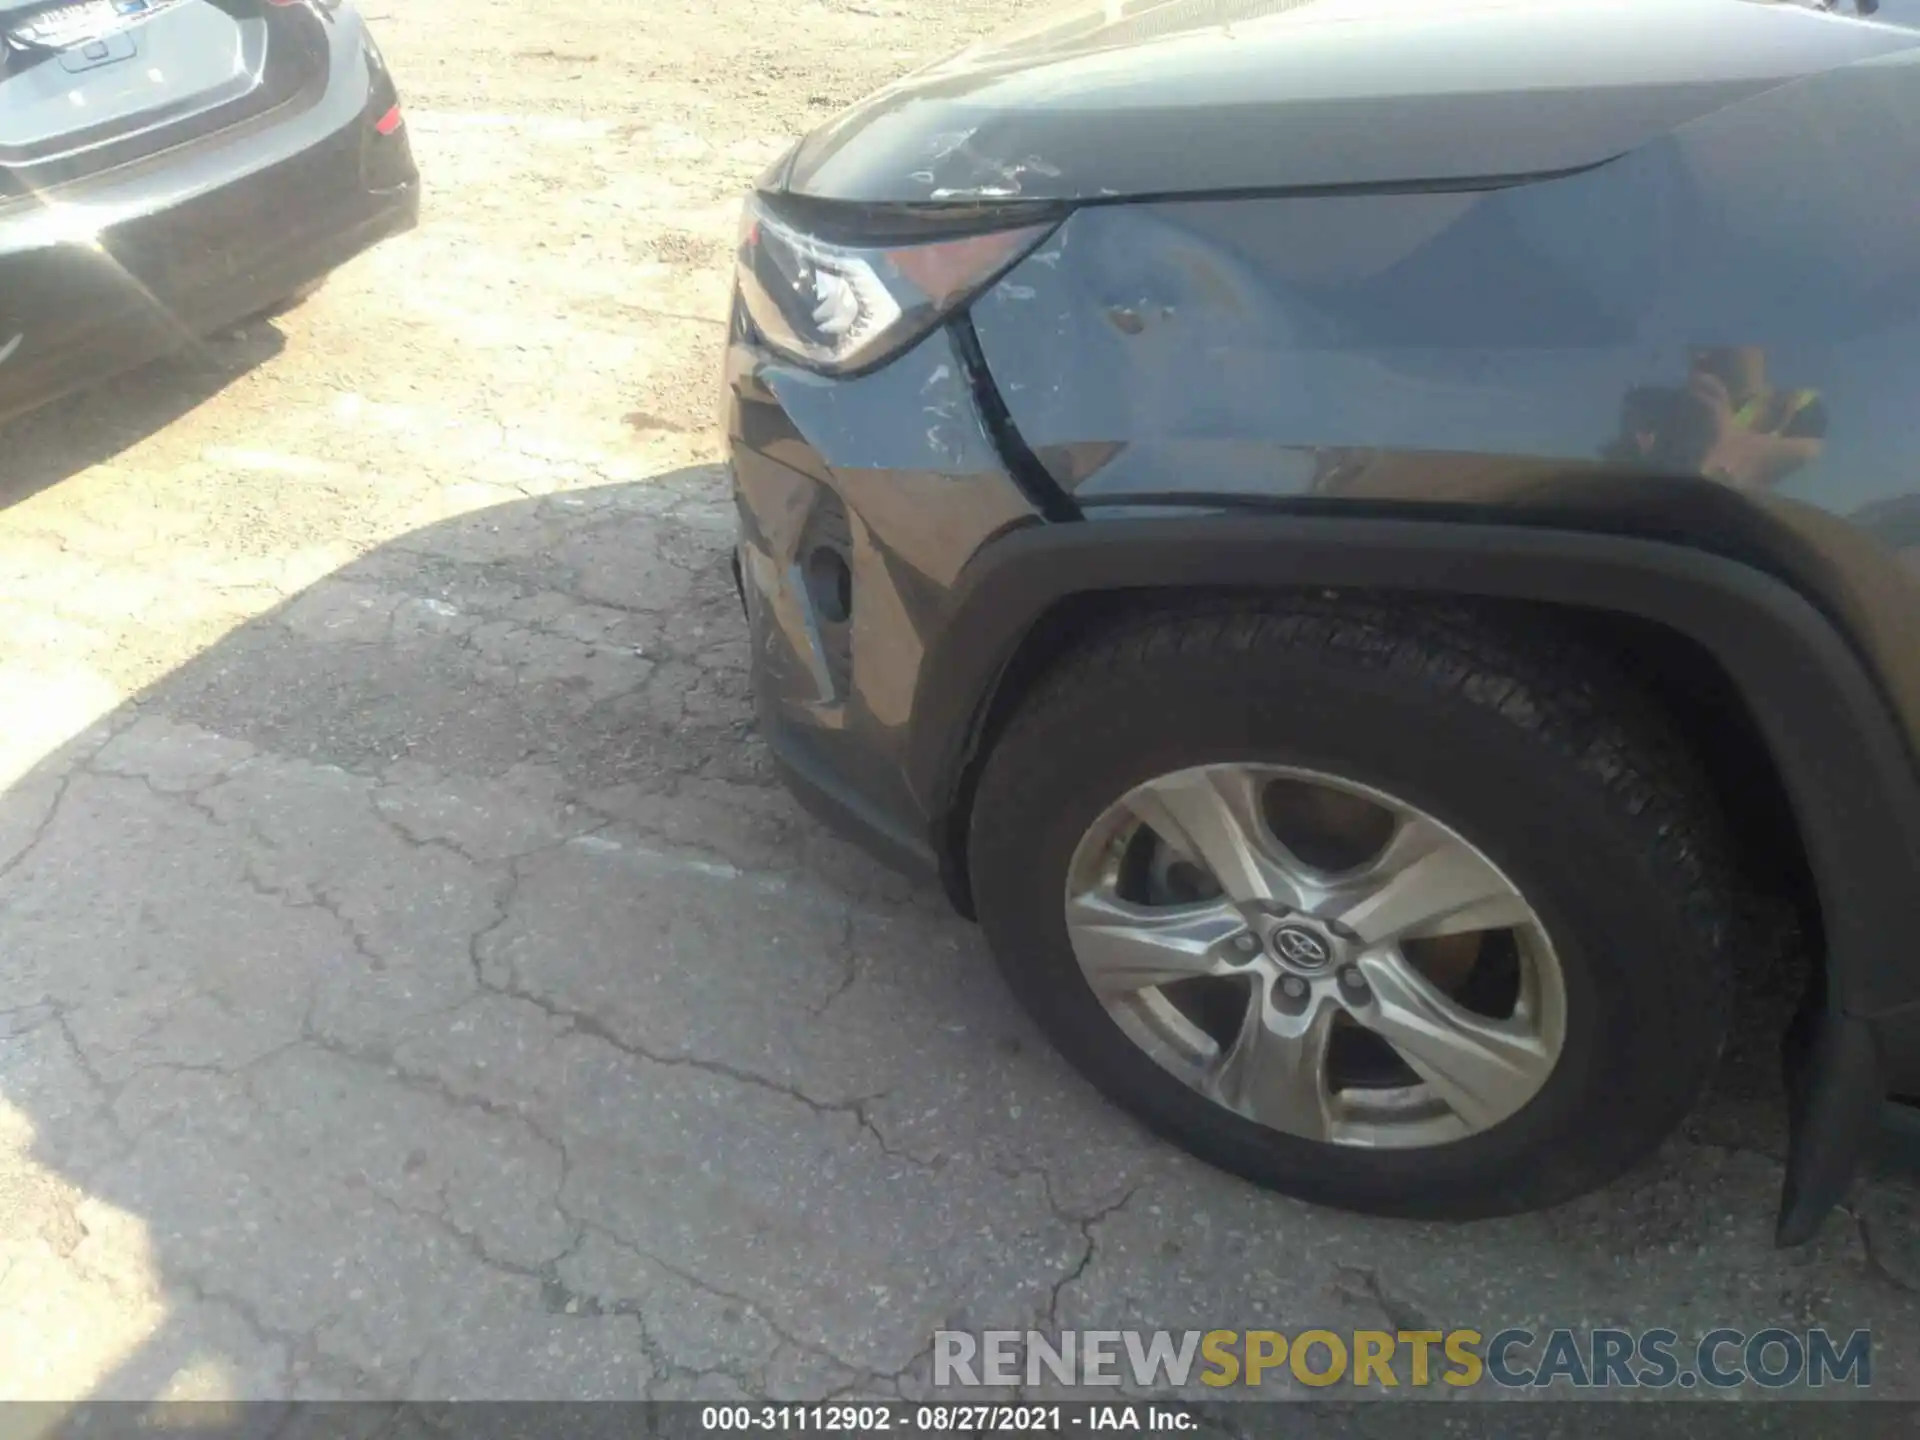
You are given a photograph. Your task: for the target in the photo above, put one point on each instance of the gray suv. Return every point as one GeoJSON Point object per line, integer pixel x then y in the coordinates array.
{"type": "Point", "coordinates": [1352, 535]}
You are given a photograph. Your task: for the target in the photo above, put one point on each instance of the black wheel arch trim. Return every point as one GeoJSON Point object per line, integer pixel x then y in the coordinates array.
{"type": "Point", "coordinates": [1845, 764]}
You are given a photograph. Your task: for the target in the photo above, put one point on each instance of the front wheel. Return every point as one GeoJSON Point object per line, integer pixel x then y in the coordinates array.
{"type": "Point", "coordinates": [1402, 909]}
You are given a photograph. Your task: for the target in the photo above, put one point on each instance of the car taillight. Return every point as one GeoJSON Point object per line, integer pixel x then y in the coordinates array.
{"type": "Point", "coordinates": [843, 307]}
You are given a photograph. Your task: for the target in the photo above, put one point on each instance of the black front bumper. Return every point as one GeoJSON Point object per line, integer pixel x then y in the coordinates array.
{"type": "Point", "coordinates": [135, 264]}
{"type": "Point", "coordinates": [829, 798]}
{"type": "Point", "coordinates": [860, 501]}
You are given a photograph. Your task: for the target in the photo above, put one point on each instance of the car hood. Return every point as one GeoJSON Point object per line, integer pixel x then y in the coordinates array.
{"type": "Point", "coordinates": [1169, 97]}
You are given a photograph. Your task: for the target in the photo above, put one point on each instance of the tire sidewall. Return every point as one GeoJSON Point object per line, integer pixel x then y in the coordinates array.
{"type": "Point", "coordinates": [1629, 1064]}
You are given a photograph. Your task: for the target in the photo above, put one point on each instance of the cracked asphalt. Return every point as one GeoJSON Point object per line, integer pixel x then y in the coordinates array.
{"type": "Point", "coordinates": [413, 982]}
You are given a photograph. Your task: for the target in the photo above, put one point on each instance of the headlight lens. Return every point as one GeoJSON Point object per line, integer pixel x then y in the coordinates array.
{"type": "Point", "coordinates": [840, 308]}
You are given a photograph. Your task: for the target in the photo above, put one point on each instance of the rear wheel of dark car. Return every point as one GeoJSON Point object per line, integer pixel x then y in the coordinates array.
{"type": "Point", "coordinates": [1403, 908]}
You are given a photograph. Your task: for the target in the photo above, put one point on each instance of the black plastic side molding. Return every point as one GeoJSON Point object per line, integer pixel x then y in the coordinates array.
{"type": "Point", "coordinates": [1834, 1098]}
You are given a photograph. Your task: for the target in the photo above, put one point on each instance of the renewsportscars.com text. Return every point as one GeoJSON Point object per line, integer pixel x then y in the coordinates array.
{"type": "Point", "coordinates": [1513, 1359]}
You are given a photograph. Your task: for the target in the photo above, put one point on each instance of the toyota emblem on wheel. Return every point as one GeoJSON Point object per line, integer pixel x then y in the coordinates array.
{"type": "Point", "coordinates": [1301, 947]}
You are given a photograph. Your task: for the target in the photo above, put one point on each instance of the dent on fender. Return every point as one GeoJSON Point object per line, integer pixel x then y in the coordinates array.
{"type": "Point", "coordinates": [1733, 306]}
{"type": "Point", "coordinates": [905, 447]}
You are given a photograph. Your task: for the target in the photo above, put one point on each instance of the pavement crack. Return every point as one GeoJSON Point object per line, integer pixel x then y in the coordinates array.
{"type": "Point", "coordinates": [423, 1082]}
{"type": "Point", "coordinates": [850, 975]}
{"type": "Point", "coordinates": [864, 1114]}
{"type": "Point", "coordinates": [192, 796]}
{"type": "Point", "coordinates": [407, 838]}
{"type": "Point", "coordinates": [660, 1368]}
{"type": "Point", "coordinates": [472, 1244]}
{"type": "Point", "coordinates": [508, 894]}
{"type": "Point", "coordinates": [1401, 1314]}
{"type": "Point", "coordinates": [25, 1019]}
{"type": "Point", "coordinates": [331, 905]}
{"type": "Point", "coordinates": [203, 1293]}
{"type": "Point", "coordinates": [860, 1385]}
{"type": "Point", "coordinates": [925, 1352]}
{"type": "Point", "coordinates": [584, 1023]}
{"type": "Point", "coordinates": [1086, 1223]}
{"type": "Point", "coordinates": [80, 1056]}
{"type": "Point", "coordinates": [45, 826]}
{"type": "Point", "coordinates": [749, 1306]}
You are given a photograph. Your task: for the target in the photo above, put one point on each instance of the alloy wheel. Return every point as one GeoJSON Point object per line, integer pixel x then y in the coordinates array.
{"type": "Point", "coordinates": [1316, 956]}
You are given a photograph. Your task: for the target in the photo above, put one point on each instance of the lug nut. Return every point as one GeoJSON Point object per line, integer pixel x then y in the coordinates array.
{"type": "Point", "coordinates": [1353, 979]}
{"type": "Point", "coordinates": [1293, 987]}
{"type": "Point", "coordinates": [1245, 943]}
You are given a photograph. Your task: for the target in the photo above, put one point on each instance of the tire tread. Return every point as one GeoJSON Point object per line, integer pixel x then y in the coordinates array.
{"type": "Point", "coordinates": [1562, 697]}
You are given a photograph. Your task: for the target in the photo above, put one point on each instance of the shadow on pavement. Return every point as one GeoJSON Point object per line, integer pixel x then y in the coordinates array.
{"type": "Point", "coordinates": [427, 992]}
{"type": "Point", "coordinates": [93, 426]}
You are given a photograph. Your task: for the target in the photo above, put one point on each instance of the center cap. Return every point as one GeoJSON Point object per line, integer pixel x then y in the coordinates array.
{"type": "Point", "coordinates": [1300, 948]}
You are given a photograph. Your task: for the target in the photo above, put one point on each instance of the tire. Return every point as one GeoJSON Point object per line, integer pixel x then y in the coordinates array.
{"type": "Point", "coordinates": [1521, 741]}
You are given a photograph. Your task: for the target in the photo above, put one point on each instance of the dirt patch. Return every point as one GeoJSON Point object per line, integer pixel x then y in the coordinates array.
{"type": "Point", "coordinates": [681, 247]}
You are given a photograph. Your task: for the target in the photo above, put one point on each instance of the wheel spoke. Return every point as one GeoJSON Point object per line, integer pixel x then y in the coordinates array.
{"type": "Point", "coordinates": [1427, 883]}
{"type": "Point", "coordinates": [1273, 1060]}
{"type": "Point", "coordinates": [1275, 1071]}
{"type": "Point", "coordinates": [1484, 1069]}
{"type": "Point", "coordinates": [1212, 817]}
{"type": "Point", "coordinates": [1124, 948]}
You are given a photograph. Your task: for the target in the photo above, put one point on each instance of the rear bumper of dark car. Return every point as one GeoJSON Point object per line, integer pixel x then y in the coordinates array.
{"type": "Point", "coordinates": [136, 263]}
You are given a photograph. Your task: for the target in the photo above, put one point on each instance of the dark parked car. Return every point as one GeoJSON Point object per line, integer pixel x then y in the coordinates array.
{"type": "Point", "coordinates": [1351, 536]}
{"type": "Point", "coordinates": [168, 167]}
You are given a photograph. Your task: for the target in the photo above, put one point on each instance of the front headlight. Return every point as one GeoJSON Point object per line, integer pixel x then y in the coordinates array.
{"type": "Point", "coordinates": [840, 307]}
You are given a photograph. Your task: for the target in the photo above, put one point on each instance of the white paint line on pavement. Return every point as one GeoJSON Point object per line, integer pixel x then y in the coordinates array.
{"type": "Point", "coordinates": [668, 860]}
{"type": "Point", "coordinates": [679, 862]}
